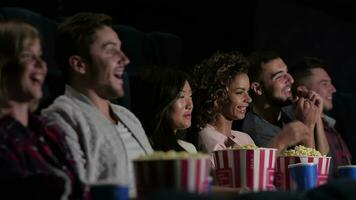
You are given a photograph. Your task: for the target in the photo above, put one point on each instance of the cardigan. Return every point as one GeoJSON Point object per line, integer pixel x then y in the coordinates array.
{"type": "Point", "coordinates": [93, 139]}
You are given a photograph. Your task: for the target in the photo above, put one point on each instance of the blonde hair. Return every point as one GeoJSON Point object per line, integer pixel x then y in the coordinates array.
{"type": "Point", "coordinates": [14, 36]}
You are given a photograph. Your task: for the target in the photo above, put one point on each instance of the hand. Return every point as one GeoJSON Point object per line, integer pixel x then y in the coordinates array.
{"type": "Point", "coordinates": [291, 134]}
{"type": "Point", "coordinates": [316, 99]}
{"type": "Point", "coordinates": [307, 111]}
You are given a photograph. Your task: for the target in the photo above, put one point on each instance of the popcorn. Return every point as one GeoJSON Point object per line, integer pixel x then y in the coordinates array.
{"type": "Point", "coordinates": [243, 146]}
{"type": "Point", "coordinates": [247, 146]}
{"type": "Point", "coordinates": [301, 151]}
{"type": "Point", "coordinates": [300, 154]}
{"type": "Point", "coordinates": [170, 155]}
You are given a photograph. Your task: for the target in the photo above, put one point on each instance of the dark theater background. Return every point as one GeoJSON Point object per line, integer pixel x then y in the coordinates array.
{"type": "Point", "coordinates": [182, 33]}
{"type": "Point", "coordinates": [193, 30]}
{"type": "Point", "coordinates": [294, 28]}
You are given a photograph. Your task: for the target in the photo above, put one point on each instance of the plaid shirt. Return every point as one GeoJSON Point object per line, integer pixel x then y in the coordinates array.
{"type": "Point", "coordinates": [338, 149]}
{"type": "Point", "coordinates": [31, 156]}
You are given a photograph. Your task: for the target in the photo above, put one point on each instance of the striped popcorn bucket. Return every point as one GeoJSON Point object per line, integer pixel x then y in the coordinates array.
{"type": "Point", "coordinates": [248, 168]}
{"type": "Point", "coordinates": [189, 175]}
{"type": "Point", "coordinates": [282, 178]}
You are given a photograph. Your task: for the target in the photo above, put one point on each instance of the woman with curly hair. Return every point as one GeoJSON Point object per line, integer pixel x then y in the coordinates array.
{"type": "Point", "coordinates": [221, 95]}
{"type": "Point", "coordinates": [221, 87]}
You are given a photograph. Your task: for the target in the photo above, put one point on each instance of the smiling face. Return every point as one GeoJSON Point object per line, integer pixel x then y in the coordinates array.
{"type": "Point", "coordinates": [320, 82]}
{"type": "Point", "coordinates": [239, 99]}
{"type": "Point", "coordinates": [276, 81]}
{"type": "Point", "coordinates": [30, 76]}
{"type": "Point", "coordinates": [180, 112]}
{"type": "Point", "coordinates": [107, 64]}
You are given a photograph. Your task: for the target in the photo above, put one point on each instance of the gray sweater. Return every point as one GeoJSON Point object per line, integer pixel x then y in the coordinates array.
{"type": "Point", "coordinates": [97, 149]}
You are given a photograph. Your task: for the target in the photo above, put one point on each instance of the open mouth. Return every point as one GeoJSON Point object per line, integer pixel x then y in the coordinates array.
{"type": "Point", "coordinates": [37, 78]}
{"type": "Point", "coordinates": [118, 74]}
{"type": "Point", "coordinates": [287, 91]}
{"type": "Point", "coordinates": [188, 115]}
{"type": "Point", "coordinates": [242, 109]}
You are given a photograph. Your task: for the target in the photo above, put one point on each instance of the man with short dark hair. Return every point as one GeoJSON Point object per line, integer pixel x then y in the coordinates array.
{"type": "Point", "coordinates": [311, 74]}
{"type": "Point", "coordinates": [271, 91]}
{"type": "Point", "coordinates": [103, 137]}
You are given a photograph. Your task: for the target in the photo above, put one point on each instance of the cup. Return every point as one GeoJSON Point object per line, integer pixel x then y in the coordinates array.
{"type": "Point", "coordinates": [109, 192]}
{"type": "Point", "coordinates": [347, 171]}
{"type": "Point", "coordinates": [283, 179]}
{"type": "Point", "coordinates": [303, 176]}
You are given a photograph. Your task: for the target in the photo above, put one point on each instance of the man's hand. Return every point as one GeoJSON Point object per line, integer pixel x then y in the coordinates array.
{"type": "Point", "coordinates": [316, 99]}
{"type": "Point", "coordinates": [291, 134]}
{"type": "Point", "coordinates": [309, 108]}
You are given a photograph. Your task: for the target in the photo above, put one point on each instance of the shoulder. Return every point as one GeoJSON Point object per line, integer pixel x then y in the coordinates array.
{"type": "Point", "coordinates": [51, 128]}
{"type": "Point", "coordinates": [61, 104]}
{"type": "Point", "coordinates": [211, 140]}
{"type": "Point", "coordinates": [70, 108]}
{"type": "Point", "coordinates": [255, 123]}
{"type": "Point", "coordinates": [209, 135]}
{"type": "Point", "coordinates": [5, 123]}
{"type": "Point", "coordinates": [249, 123]}
{"type": "Point", "coordinates": [189, 147]}
{"type": "Point", "coordinates": [207, 130]}
{"type": "Point", "coordinates": [250, 119]}
{"type": "Point", "coordinates": [64, 113]}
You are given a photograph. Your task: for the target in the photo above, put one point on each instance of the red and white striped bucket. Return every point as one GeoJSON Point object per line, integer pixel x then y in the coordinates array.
{"type": "Point", "coordinates": [248, 168]}
{"type": "Point", "coordinates": [172, 174]}
{"type": "Point", "coordinates": [282, 178]}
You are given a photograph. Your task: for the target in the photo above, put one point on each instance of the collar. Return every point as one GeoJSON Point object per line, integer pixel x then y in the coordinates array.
{"type": "Point", "coordinates": [70, 91]}
{"type": "Point", "coordinates": [329, 120]}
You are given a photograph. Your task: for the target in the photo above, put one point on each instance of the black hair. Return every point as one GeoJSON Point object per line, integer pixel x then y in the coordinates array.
{"type": "Point", "coordinates": [158, 88]}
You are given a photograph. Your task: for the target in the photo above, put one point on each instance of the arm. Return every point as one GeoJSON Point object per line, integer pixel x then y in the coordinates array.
{"type": "Point", "coordinates": [68, 125]}
{"type": "Point", "coordinates": [309, 109]}
{"type": "Point", "coordinates": [306, 112]}
{"type": "Point", "coordinates": [321, 143]}
{"type": "Point", "coordinates": [291, 134]}
{"type": "Point", "coordinates": [18, 182]}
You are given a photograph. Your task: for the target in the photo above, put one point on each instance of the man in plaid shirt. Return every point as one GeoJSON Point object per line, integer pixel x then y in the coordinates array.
{"type": "Point", "coordinates": [311, 74]}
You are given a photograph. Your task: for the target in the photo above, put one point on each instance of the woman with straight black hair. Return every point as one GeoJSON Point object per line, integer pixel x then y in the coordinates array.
{"type": "Point", "coordinates": [165, 107]}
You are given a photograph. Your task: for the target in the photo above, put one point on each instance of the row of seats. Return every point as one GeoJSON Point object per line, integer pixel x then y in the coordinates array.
{"type": "Point", "coordinates": [154, 48]}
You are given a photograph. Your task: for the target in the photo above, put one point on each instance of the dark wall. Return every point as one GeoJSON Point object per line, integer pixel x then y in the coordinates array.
{"type": "Point", "coordinates": [298, 30]}
{"type": "Point", "coordinates": [295, 28]}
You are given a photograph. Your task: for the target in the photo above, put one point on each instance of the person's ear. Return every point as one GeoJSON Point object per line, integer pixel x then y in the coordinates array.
{"type": "Point", "coordinates": [256, 87]}
{"type": "Point", "coordinates": [302, 90]}
{"type": "Point", "coordinates": [78, 64]}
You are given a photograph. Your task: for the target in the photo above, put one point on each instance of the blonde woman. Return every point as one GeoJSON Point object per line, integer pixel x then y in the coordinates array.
{"type": "Point", "coordinates": [34, 160]}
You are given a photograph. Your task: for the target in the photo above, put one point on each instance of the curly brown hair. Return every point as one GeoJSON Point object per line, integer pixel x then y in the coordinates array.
{"type": "Point", "coordinates": [211, 82]}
